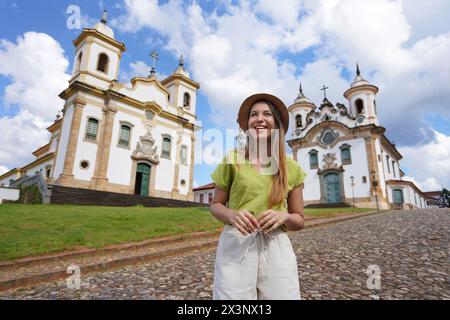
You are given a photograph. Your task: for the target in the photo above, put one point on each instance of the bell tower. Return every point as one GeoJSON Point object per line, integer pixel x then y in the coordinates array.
{"type": "Point", "coordinates": [361, 99]}
{"type": "Point", "coordinates": [97, 55]}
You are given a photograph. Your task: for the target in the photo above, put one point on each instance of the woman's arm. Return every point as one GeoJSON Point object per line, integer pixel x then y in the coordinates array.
{"type": "Point", "coordinates": [243, 220]}
{"type": "Point", "coordinates": [296, 219]}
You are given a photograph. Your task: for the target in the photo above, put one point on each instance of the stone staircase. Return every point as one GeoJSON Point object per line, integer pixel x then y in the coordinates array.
{"type": "Point", "coordinates": [79, 196]}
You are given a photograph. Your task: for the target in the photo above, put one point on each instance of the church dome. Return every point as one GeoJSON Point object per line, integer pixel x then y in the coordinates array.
{"type": "Point", "coordinates": [359, 80]}
{"type": "Point", "coordinates": [301, 98]}
{"type": "Point", "coordinates": [102, 27]}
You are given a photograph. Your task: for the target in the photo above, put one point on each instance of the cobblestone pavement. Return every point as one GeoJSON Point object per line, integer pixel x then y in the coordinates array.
{"type": "Point", "coordinates": [410, 249]}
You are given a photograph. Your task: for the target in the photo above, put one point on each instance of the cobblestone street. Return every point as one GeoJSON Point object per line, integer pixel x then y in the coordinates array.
{"type": "Point", "coordinates": [409, 248]}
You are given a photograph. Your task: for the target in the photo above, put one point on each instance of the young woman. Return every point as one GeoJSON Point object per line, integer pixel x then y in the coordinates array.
{"type": "Point", "coordinates": [255, 259]}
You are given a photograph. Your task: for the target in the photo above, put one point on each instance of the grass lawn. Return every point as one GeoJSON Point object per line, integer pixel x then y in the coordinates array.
{"type": "Point", "coordinates": [37, 229]}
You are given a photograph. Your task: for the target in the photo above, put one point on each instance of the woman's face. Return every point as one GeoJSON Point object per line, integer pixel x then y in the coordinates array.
{"type": "Point", "coordinates": [261, 119]}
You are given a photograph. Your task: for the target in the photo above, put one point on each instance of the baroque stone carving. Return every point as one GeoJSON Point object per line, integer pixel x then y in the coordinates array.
{"type": "Point", "coordinates": [329, 160]}
{"type": "Point", "coordinates": [146, 149]}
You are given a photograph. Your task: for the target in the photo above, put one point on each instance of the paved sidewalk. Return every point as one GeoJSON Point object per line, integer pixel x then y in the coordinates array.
{"type": "Point", "coordinates": [31, 271]}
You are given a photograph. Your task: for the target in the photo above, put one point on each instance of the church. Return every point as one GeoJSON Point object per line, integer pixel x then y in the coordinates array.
{"type": "Point", "coordinates": [346, 155]}
{"type": "Point", "coordinates": [133, 138]}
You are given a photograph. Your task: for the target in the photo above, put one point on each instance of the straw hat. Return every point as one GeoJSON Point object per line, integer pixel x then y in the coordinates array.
{"type": "Point", "coordinates": [244, 111]}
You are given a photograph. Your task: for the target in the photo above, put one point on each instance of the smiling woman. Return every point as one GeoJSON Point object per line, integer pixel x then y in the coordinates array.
{"type": "Point", "coordinates": [254, 257]}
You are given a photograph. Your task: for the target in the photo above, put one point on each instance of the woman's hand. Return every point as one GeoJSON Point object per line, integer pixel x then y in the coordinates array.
{"type": "Point", "coordinates": [244, 221]}
{"type": "Point", "coordinates": [271, 220]}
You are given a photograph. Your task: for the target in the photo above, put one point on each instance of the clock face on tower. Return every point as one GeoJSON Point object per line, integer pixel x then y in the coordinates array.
{"type": "Point", "coordinates": [359, 119]}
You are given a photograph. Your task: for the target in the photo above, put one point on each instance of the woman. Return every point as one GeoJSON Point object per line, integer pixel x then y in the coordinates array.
{"type": "Point", "coordinates": [254, 257]}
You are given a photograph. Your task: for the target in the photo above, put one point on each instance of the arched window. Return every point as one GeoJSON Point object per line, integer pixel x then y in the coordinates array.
{"type": "Point", "coordinates": [298, 121]}
{"type": "Point", "coordinates": [359, 106]}
{"type": "Point", "coordinates": [186, 100]}
{"type": "Point", "coordinates": [124, 136]}
{"type": "Point", "coordinates": [345, 154]}
{"type": "Point", "coordinates": [80, 57]}
{"type": "Point", "coordinates": [103, 62]}
{"type": "Point", "coordinates": [313, 159]}
{"type": "Point", "coordinates": [91, 130]}
{"type": "Point", "coordinates": [149, 114]}
{"type": "Point", "coordinates": [184, 155]}
{"type": "Point", "coordinates": [387, 164]}
{"type": "Point", "coordinates": [166, 147]}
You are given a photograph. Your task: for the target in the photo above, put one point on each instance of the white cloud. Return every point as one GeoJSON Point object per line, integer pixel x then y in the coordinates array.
{"type": "Point", "coordinates": [429, 163]}
{"type": "Point", "coordinates": [36, 67]}
{"type": "Point", "coordinates": [3, 169]}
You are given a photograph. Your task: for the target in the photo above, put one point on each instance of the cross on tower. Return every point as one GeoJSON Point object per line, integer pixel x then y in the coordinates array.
{"type": "Point", "coordinates": [324, 89]}
{"type": "Point", "coordinates": [155, 57]}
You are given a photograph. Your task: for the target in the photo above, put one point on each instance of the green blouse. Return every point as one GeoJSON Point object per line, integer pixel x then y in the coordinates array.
{"type": "Point", "coordinates": [247, 188]}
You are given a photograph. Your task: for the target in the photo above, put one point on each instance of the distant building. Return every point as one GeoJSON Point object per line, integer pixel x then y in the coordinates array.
{"type": "Point", "coordinates": [346, 155]}
{"type": "Point", "coordinates": [133, 138]}
{"type": "Point", "coordinates": [205, 193]}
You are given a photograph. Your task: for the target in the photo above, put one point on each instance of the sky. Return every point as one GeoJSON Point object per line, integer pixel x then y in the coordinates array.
{"type": "Point", "coordinates": [236, 48]}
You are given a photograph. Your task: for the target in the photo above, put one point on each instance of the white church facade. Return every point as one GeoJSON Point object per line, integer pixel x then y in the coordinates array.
{"type": "Point", "coordinates": [346, 155]}
{"type": "Point", "coordinates": [135, 139]}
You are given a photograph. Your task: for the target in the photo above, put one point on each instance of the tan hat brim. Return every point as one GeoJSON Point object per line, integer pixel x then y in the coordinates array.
{"type": "Point", "coordinates": [244, 111]}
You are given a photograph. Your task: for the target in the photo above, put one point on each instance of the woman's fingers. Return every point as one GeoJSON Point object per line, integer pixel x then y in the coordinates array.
{"type": "Point", "coordinates": [253, 220]}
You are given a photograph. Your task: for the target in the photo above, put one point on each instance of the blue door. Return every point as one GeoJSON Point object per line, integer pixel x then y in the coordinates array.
{"type": "Point", "coordinates": [332, 190]}
{"type": "Point", "coordinates": [397, 196]}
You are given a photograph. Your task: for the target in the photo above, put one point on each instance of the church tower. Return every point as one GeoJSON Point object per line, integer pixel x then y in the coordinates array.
{"type": "Point", "coordinates": [183, 90]}
{"type": "Point", "coordinates": [361, 99]}
{"type": "Point", "coordinates": [299, 111]}
{"type": "Point", "coordinates": [97, 55]}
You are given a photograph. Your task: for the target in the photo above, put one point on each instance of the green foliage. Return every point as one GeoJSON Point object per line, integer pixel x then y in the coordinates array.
{"type": "Point", "coordinates": [30, 195]}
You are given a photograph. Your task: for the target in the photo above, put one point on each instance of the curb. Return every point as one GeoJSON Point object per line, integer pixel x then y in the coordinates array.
{"type": "Point", "coordinates": [122, 262]}
{"type": "Point", "coordinates": [26, 262]}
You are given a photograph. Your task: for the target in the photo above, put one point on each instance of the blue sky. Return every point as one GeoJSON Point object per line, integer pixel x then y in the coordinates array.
{"type": "Point", "coordinates": [233, 48]}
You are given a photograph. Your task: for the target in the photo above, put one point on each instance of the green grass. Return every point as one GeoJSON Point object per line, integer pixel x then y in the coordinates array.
{"type": "Point", "coordinates": [27, 230]}
{"type": "Point", "coordinates": [333, 212]}
{"type": "Point", "coordinates": [36, 229]}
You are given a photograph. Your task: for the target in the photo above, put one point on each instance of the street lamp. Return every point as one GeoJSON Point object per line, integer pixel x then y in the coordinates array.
{"type": "Point", "coordinates": [352, 178]}
{"type": "Point", "coordinates": [375, 185]}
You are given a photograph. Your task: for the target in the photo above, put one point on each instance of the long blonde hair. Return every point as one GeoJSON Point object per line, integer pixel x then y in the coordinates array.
{"type": "Point", "coordinates": [280, 179]}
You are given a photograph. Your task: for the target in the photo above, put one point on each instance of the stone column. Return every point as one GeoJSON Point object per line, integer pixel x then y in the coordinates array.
{"type": "Point", "coordinates": [191, 169]}
{"type": "Point", "coordinates": [371, 155]}
{"type": "Point", "coordinates": [176, 177]}
{"type": "Point", "coordinates": [66, 177]}
{"type": "Point", "coordinates": [99, 180]}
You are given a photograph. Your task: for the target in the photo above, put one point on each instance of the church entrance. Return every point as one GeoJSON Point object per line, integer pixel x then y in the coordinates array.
{"type": "Point", "coordinates": [332, 189]}
{"type": "Point", "coordinates": [142, 179]}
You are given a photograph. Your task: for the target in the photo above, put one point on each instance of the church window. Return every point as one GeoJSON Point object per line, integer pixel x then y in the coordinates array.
{"type": "Point", "coordinates": [393, 168]}
{"type": "Point", "coordinates": [359, 106]}
{"type": "Point", "coordinates": [183, 182]}
{"type": "Point", "coordinates": [184, 155]}
{"type": "Point", "coordinates": [166, 147]}
{"type": "Point", "coordinates": [84, 164]}
{"type": "Point", "coordinates": [124, 137]}
{"type": "Point", "coordinates": [102, 64]}
{"type": "Point", "coordinates": [298, 121]}
{"type": "Point", "coordinates": [91, 131]}
{"type": "Point", "coordinates": [387, 164]}
{"type": "Point", "coordinates": [345, 154]}
{"type": "Point", "coordinates": [149, 114]}
{"type": "Point", "coordinates": [201, 198]}
{"type": "Point", "coordinates": [47, 173]}
{"type": "Point", "coordinates": [80, 57]}
{"type": "Point", "coordinates": [186, 100]}
{"type": "Point", "coordinates": [375, 107]}
{"type": "Point", "coordinates": [313, 159]}
{"type": "Point", "coordinates": [364, 179]}
{"type": "Point", "coordinates": [328, 138]}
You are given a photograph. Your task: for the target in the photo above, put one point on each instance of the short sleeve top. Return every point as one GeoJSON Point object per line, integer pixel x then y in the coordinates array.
{"type": "Point", "coordinates": [247, 188]}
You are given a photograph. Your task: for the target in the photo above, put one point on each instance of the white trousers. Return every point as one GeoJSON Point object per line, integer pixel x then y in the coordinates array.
{"type": "Point", "coordinates": [255, 267]}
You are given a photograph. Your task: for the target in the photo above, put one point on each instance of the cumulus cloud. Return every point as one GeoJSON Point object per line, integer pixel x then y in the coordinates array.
{"type": "Point", "coordinates": [36, 67]}
{"type": "Point", "coordinates": [429, 163]}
